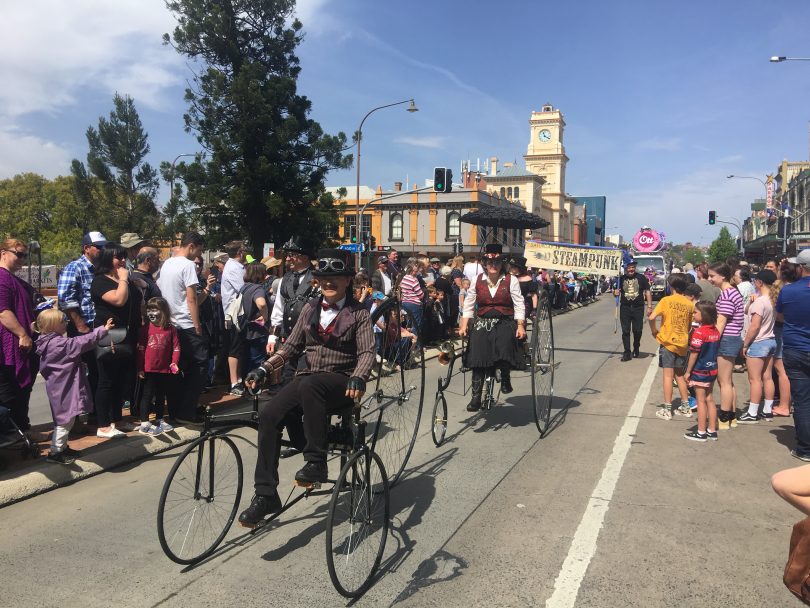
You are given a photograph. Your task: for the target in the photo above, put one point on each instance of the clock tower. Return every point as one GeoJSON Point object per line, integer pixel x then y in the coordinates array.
{"type": "Point", "coordinates": [546, 156]}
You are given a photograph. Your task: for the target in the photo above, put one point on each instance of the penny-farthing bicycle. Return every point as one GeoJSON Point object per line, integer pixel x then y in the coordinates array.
{"type": "Point", "coordinates": [371, 443]}
{"type": "Point", "coordinates": [538, 347]}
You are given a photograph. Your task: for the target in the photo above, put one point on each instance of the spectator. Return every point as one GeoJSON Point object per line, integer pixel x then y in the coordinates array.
{"type": "Point", "coordinates": [272, 280]}
{"type": "Point", "coordinates": [212, 319]}
{"type": "Point", "coordinates": [65, 378]}
{"type": "Point", "coordinates": [178, 284]}
{"type": "Point", "coordinates": [793, 308]}
{"type": "Point", "coordinates": [435, 268]}
{"type": "Point", "coordinates": [787, 274]}
{"type": "Point", "coordinates": [114, 297]}
{"type": "Point", "coordinates": [232, 280]}
{"type": "Point", "coordinates": [147, 263]}
{"type": "Point", "coordinates": [257, 316]}
{"type": "Point", "coordinates": [528, 287]}
{"type": "Point", "coordinates": [709, 293]}
{"type": "Point", "coordinates": [759, 346]}
{"type": "Point", "coordinates": [472, 269]}
{"type": "Point", "coordinates": [157, 363]}
{"type": "Point", "coordinates": [133, 243]}
{"type": "Point", "coordinates": [730, 314]}
{"type": "Point", "coordinates": [412, 293]}
{"type": "Point", "coordinates": [462, 295]}
{"type": "Point", "coordinates": [448, 300]}
{"type": "Point", "coordinates": [701, 370]}
{"type": "Point", "coordinates": [18, 362]}
{"type": "Point", "coordinates": [361, 291]}
{"type": "Point", "coordinates": [382, 280]}
{"type": "Point", "coordinates": [793, 485]}
{"type": "Point", "coordinates": [393, 265]}
{"type": "Point", "coordinates": [73, 292]}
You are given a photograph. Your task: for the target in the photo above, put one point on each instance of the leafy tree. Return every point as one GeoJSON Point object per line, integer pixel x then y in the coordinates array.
{"type": "Point", "coordinates": [694, 256]}
{"type": "Point", "coordinates": [266, 160]}
{"type": "Point", "coordinates": [125, 181]}
{"type": "Point", "coordinates": [722, 247]}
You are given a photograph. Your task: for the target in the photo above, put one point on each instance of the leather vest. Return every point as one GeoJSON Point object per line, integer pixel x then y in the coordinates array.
{"type": "Point", "coordinates": [501, 301]}
{"type": "Point", "coordinates": [294, 301]}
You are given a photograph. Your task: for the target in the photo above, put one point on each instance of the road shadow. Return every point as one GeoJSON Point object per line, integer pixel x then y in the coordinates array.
{"type": "Point", "coordinates": [786, 435]}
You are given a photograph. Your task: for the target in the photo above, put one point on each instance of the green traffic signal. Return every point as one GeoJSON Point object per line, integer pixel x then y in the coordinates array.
{"type": "Point", "coordinates": [712, 217]}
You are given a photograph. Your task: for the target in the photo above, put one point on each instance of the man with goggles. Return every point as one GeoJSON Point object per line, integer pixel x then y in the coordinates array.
{"type": "Point", "coordinates": [334, 331]}
{"type": "Point", "coordinates": [497, 326]}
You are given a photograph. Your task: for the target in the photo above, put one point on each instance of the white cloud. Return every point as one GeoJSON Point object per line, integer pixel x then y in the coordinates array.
{"type": "Point", "coordinates": [21, 153]}
{"type": "Point", "coordinates": [422, 142]}
{"type": "Point", "coordinates": [669, 144]}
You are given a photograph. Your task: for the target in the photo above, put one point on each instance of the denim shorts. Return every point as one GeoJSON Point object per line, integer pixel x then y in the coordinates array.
{"type": "Point", "coordinates": [669, 360]}
{"type": "Point", "coordinates": [762, 348]}
{"type": "Point", "coordinates": [730, 346]}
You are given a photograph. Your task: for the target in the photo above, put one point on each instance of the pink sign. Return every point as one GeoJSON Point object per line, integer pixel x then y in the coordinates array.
{"type": "Point", "coordinates": [646, 240]}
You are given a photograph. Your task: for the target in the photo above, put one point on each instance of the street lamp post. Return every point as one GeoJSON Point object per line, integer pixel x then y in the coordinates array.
{"type": "Point", "coordinates": [171, 193]}
{"type": "Point", "coordinates": [359, 231]}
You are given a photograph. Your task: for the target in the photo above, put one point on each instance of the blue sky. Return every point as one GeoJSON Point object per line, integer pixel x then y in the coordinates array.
{"type": "Point", "coordinates": [661, 100]}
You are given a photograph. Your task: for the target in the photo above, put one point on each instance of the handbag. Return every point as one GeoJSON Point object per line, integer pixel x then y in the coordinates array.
{"type": "Point", "coordinates": [797, 569]}
{"type": "Point", "coordinates": [114, 345]}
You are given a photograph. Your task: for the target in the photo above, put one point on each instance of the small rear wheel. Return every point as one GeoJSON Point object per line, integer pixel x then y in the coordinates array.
{"type": "Point", "coordinates": [357, 523]}
{"type": "Point", "coordinates": [199, 499]}
{"type": "Point", "coordinates": [439, 427]}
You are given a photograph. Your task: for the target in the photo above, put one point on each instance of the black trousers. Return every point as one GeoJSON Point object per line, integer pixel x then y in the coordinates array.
{"type": "Point", "coordinates": [185, 397]}
{"type": "Point", "coordinates": [317, 395]}
{"type": "Point", "coordinates": [631, 317]}
{"type": "Point", "coordinates": [112, 383]}
{"type": "Point", "coordinates": [14, 398]}
{"type": "Point", "coordinates": [154, 388]}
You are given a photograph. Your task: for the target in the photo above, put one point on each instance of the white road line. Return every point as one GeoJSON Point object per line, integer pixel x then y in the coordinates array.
{"type": "Point", "coordinates": [583, 545]}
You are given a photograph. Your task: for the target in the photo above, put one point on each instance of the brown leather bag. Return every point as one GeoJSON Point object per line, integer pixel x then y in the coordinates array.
{"type": "Point", "coordinates": [797, 569]}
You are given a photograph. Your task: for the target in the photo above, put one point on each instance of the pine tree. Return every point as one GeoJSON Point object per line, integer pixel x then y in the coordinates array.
{"type": "Point", "coordinates": [266, 160]}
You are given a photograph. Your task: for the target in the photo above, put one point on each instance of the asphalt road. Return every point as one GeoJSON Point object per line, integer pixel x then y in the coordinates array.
{"type": "Point", "coordinates": [612, 508]}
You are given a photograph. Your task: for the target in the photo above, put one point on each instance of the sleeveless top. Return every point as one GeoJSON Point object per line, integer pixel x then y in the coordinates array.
{"type": "Point", "coordinates": [502, 300]}
{"type": "Point", "coordinates": [294, 301]}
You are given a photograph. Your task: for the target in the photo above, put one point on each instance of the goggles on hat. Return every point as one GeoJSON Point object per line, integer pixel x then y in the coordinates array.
{"type": "Point", "coordinates": [334, 264]}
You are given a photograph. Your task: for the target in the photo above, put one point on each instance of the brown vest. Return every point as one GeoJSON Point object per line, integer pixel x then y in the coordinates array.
{"type": "Point", "coordinates": [502, 301]}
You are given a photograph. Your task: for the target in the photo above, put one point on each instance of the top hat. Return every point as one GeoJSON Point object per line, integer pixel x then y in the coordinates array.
{"type": "Point", "coordinates": [334, 263]}
{"type": "Point", "coordinates": [298, 244]}
{"type": "Point", "coordinates": [493, 251]}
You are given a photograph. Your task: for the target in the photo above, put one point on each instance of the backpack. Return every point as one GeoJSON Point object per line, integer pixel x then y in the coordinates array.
{"type": "Point", "coordinates": [235, 313]}
{"type": "Point", "coordinates": [797, 569]}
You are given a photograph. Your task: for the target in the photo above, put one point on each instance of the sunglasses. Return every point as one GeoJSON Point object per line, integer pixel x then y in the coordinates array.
{"type": "Point", "coordinates": [331, 264]}
{"type": "Point", "coordinates": [20, 254]}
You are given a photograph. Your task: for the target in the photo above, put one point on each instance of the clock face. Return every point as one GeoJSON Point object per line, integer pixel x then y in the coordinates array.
{"type": "Point", "coordinates": [544, 135]}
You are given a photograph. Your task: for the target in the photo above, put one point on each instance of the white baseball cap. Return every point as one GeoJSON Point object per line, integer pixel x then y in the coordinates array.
{"type": "Point", "coordinates": [802, 259]}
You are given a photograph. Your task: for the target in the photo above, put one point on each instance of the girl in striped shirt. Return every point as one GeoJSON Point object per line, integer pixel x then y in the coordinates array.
{"type": "Point", "coordinates": [730, 318]}
{"type": "Point", "coordinates": [412, 293]}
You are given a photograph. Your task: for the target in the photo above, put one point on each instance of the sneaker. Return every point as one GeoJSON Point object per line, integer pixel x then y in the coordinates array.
{"type": "Point", "coordinates": [164, 427]}
{"type": "Point", "coordinates": [124, 427]}
{"type": "Point", "coordinates": [693, 404]}
{"type": "Point", "coordinates": [711, 435]}
{"type": "Point", "coordinates": [313, 472]}
{"type": "Point", "coordinates": [147, 428]}
{"type": "Point", "coordinates": [59, 458]}
{"type": "Point", "coordinates": [69, 451]}
{"type": "Point", "coordinates": [237, 390]}
{"type": "Point", "coordinates": [664, 412]}
{"type": "Point", "coordinates": [747, 418]}
{"type": "Point", "coordinates": [695, 436]}
{"type": "Point", "coordinates": [110, 434]}
{"type": "Point", "coordinates": [802, 457]}
{"type": "Point", "coordinates": [260, 507]}
{"type": "Point", "coordinates": [767, 416]}
{"type": "Point", "coordinates": [684, 410]}
{"type": "Point", "coordinates": [733, 422]}
{"type": "Point", "coordinates": [723, 425]}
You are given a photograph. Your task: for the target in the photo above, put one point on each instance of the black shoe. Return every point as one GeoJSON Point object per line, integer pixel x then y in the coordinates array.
{"type": "Point", "coordinates": [635, 354]}
{"type": "Point", "coordinates": [506, 383]}
{"type": "Point", "coordinates": [260, 507]}
{"type": "Point", "coordinates": [59, 458]}
{"type": "Point", "coordinates": [475, 404]}
{"type": "Point", "coordinates": [626, 356]}
{"type": "Point", "coordinates": [72, 453]}
{"type": "Point", "coordinates": [289, 452]}
{"type": "Point", "coordinates": [802, 457]}
{"type": "Point", "coordinates": [313, 472]}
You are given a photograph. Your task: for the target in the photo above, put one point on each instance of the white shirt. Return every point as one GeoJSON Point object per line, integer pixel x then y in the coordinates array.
{"type": "Point", "coordinates": [233, 277]}
{"type": "Point", "coordinates": [176, 275]}
{"type": "Point", "coordinates": [468, 312]}
{"type": "Point", "coordinates": [472, 270]}
{"type": "Point", "coordinates": [386, 283]}
{"type": "Point", "coordinates": [277, 314]}
{"type": "Point", "coordinates": [328, 315]}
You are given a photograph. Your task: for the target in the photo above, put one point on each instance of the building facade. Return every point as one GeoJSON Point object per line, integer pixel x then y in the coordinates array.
{"type": "Point", "coordinates": [595, 210]}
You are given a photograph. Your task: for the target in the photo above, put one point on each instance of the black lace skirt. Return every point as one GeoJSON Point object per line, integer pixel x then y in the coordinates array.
{"type": "Point", "coordinates": [492, 342]}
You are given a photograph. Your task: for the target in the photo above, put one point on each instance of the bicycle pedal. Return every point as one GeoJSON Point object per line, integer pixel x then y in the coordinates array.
{"type": "Point", "coordinates": [308, 485]}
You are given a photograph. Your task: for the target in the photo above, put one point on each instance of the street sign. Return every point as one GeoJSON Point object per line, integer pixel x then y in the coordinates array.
{"type": "Point", "coordinates": [354, 247]}
{"type": "Point", "coordinates": [268, 249]}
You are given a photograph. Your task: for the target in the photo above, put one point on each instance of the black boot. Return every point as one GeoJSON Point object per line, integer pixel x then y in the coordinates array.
{"type": "Point", "coordinates": [477, 388]}
{"type": "Point", "coordinates": [506, 381]}
{"type": "Point", "coordinates": [313, 472]}
{"type": "Point", "coordinates": [260, 507]}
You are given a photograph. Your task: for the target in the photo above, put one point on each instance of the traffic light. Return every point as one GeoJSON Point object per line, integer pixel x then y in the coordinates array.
{"type": "Point", "coordinates": [458, 248]}
{"type": "Point", "coordinates": [712, 218]}
{"type": "Point", "coordinates": [372, 242]}
{"type": "Point", "coordinates": [784, 227]}
{"type": "Point", "coordinates": [439, 179]}
{"type": "Point", "coordinates": [353, 234]}
{"type": "Point", "coordinates": [448, 179]}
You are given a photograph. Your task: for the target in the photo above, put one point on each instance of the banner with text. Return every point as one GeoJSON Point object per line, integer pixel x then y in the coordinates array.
{"type": "Point", "coordinates": [576, 258]}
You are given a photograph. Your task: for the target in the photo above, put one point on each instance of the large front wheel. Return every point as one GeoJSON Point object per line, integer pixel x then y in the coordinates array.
{"type": "Point", "coordinates": [357, 524]}
{"type": "Point", "coordinates": [199, 499]}
{"type": "Point", "coordinates": [542, 364]}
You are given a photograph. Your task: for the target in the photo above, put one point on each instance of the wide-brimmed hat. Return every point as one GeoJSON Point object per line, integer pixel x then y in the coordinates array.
{"type": "Point", "coordinates": [518, 260]}
{"type": "Point", "coordinates": [131, 239]}
{"type": "Point", "coordinates": [298, 244]}
{"type": "Point", "coordinates": [271, 262]}
{"type": "Point", "coordinates": [221, 257]}
{"type": "Point", "coordinates": [493, 251]}
{"type": "Point", "coordinates": [334, 263]}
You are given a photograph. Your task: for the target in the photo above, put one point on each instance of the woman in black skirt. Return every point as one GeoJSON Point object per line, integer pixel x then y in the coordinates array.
{"type": "Point", "coordinates": [495, 327]}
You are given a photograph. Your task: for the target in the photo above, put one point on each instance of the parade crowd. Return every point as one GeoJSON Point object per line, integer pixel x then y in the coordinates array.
{"type": "Point", "coordinates": [129, 331]}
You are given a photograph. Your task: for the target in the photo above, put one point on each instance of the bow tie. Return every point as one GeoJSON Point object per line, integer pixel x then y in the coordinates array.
{"type": "Point", "coordinates": [327, 306]}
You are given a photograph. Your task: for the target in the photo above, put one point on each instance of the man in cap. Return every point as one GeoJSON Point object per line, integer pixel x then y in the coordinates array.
{"type": "Point", "coordinates": [793, 308]}
{"type": "Point", "coordinates": [435, 268]}
{"type": "Point", "coordinates": [133, 243]}
{"type": "Point", "coordinates": [634, 289]}
{"type": "Point", "coordinates": [335, 331]}
{"type": "Point", "coordinates": [381, 279]}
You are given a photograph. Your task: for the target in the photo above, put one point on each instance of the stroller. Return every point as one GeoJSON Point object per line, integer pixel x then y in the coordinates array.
{"type": "Point", "coordinates": [11, 437]}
